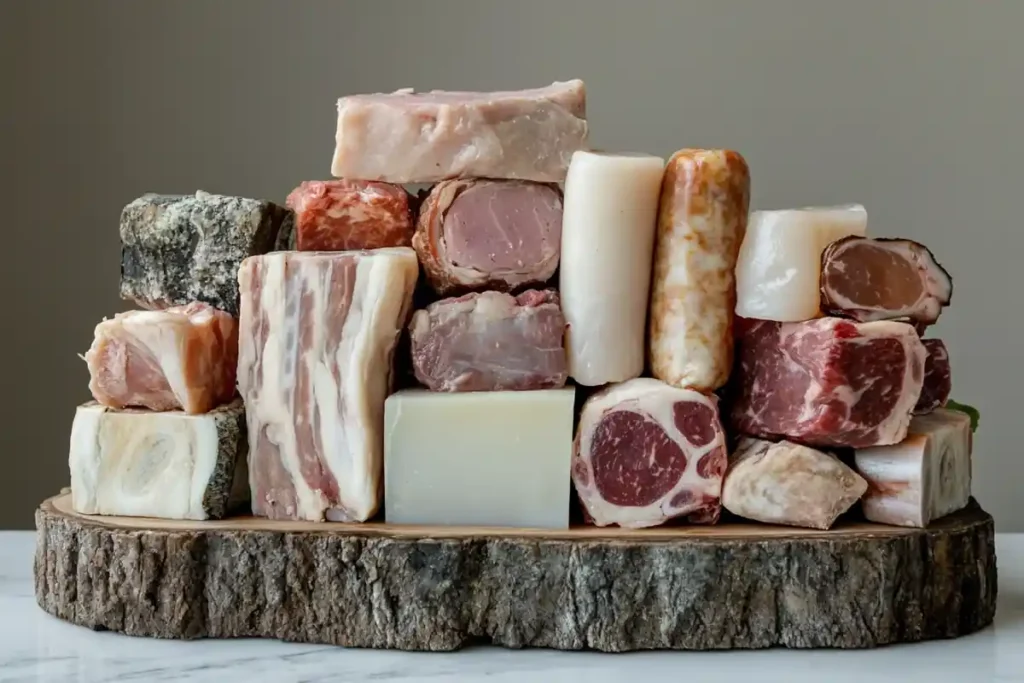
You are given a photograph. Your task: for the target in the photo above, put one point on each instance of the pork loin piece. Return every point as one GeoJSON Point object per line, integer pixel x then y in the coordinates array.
{"type": "Point", "coordinates": [181, 357]}
{"type": "Point", "coordinates": [937, 377]}
{"type": "Point", "coordinates": [141, 463]}
{"type": "Point", "coordinates": [412, 137]}
{"type": "Point", "coordinates": [317, 334]}
{"type": "Point", "coordinates": [879, 278]}
{"type": "Point", "coordinates": [176, 249]}
{"type": "Point", "coordinates": [350, 215]}
{"type": "Point", "coordinates": [646, 452]}
{"type": "Point", "coordinates": [489, 234]}
{"type": "Point", "coordinates": [925, 477]}
{"type": "Point", "coordinates": [790, 484]}
{"type": "Point", "coordinates": [490, 342]}
{"type": "Point", "coordinates": [827, 382]}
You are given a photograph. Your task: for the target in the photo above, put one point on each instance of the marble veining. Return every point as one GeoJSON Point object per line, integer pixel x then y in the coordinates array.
{"type": "Point", "coordinates": [37, 647]}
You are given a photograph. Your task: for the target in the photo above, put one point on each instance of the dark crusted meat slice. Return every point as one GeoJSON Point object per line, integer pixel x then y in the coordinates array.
{"type": "Point", "coordinates": [872, 278]}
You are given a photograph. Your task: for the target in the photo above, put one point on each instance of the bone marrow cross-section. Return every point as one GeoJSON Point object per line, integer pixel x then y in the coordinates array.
{"type": "Point", "coordinates": [646, 452]}
{"type": "Point", "coordinates": [317, 334]}
{"type": "Point", "coordinates": [883, 279]}
{"type": "Point", "coordinates": [490, 341]}
{"type": "Point", "coordinates": [489, 234]}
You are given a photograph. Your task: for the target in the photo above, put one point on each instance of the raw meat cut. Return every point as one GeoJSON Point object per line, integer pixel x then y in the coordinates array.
{"type": "Point", "coordinates": [788, 483]}
{"type": "Point", "coordinates": [350, 215]}
{"type": "Point", "coordinates": [424, 137]}
{"type": "Point", "coordinates": [826, 382]}
{"type": "Point", "coordinates": [181, 357]}
{"type": "Point", "coordinates": [475, 234]}
{"type": "Point", "coordinates": [490, 342]}
{"type": "Point", "coordinates": [171, 465]}
{"type": "Point", "coordinates": [923, 478]}
{"type": "Point", "coordinates": [496, 458]}
{"type": "Point", "coordinates": [778, 270]}
{"type": "Point", "coordinates": [611, 206]}
{"type": "Point", "coordinates": [646, 452]}
{"type": "Point", "coordinates": [937, 377]}
{"type": "Point", "coordinates": [705, 197]}
{"type": "Point", "coordinates": [883, 279]}
{"type": "Point", "coordinates": [317, 334]}
{"type": "Point", "coordinates": [176, 249]}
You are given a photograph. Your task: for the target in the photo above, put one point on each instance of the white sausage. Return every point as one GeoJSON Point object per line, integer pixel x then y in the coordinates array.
{"type": "Point", "coordinates": [609, 211]}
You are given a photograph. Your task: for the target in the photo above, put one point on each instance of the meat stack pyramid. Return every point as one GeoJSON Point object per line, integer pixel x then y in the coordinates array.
{"type": "Point", "coordinates": [542, 317]}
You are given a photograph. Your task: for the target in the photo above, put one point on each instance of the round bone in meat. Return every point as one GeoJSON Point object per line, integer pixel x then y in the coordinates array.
{"type": "Point", "coordinates": [475, 234]}
{"type": "Point", "coordinates": [883, 279]}
{"type": "Point", "coordinates": [646, 452]}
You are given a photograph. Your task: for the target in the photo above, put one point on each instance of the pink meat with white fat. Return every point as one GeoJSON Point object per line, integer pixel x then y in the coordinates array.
{"type": "Point", "coordinates": [646, 452]}
{"type": "Point", "coordinates": [182, 357]}
{"type": "Point", "coordinates": [475, 234]}
{"type": "Point", "coordinates": [827, 382]}
{"type": "Point", "coordinates": [424, 137]}
{"type": "Point", "coordinates": [490, 341]}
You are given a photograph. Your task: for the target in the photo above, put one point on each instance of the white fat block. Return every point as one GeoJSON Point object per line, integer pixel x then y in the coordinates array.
{"type": "Point", "coordinates": [478, 458]}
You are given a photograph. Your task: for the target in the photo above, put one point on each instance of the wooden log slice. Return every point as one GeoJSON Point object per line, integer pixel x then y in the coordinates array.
{"type": "Point", "coordinates": [416, 588]}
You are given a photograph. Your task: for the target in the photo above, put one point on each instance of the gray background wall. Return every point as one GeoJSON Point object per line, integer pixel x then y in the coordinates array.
{"type": "Point", "coordinates": [912, 108]}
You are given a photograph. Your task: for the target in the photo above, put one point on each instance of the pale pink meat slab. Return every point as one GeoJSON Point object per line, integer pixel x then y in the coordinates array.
{"type": "Point", "coordinates": [475, 234]}
{"type": "Point", "coordinates": [826, 382]}
{"type": "Point", "coordinates": [646, 452]}
{"type": "Point", "coordinates": [183, 357]}
{"type": "Point", "coordinates": [490, 341]}
{"type": "Point", "coordinates": [349, 215]}
{"type": "Point", "coordinates": [424, 137]}
{"type": "Point", "coordinates": [317, 334]}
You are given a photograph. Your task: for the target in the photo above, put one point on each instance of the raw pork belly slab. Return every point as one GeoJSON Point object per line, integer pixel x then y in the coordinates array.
{"type": "Point", "coordinates": [317, 334]}
{"type": "Point", "coordinates": [778, 270]}
{"type": "Point", "coordinates": [350, 215]}
{"type": "Point", "coordinates": [646, 452]}
{"type": "Point", "coordinates": [705, 196]}
{"type": "Point", "coordinates": [489, 234]}
{"type": "Point", "coordinates": [925, 477]}
{"type": "Point", "coordinates": [181, 357]}
{"type": "Point", "coordinates": [787, 483]}
{"type": "Point", "coordinates": [827, 382]}
{"type": "Point", "coordinates": [141, 463]}
{"type": "Point", "coordinates": [490, 342]}
{"type": "Point", "coordinates": [883, 279]}
{"type": "Point", "coordinates": [176, 249]}
{"type": "Point", "coordinates": [424, 137]}
{"type": "Point", "coordinates": [938, 382]}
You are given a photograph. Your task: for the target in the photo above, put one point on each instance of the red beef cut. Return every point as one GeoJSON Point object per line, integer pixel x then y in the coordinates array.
{"type": "Point", "coordinates": [490, 341]}
{"type": "Point", "coordinates": [937, 378]}
{"type": "Point", "coordinates": [350, 215]}
{"type": "Point", "coordinates": [646, 452]}
{"type": "Point", "coordinates": [827, 382]}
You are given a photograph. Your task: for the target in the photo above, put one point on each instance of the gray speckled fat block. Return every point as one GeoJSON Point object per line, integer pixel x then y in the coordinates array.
{"type": "Point", "coordinates": [371, 587]}
{"type": "Point", "coordinates": [176, 249]}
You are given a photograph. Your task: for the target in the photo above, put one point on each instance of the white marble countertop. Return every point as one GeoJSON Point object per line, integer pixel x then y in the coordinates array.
{"type": "Point", "coordinates": [37, 647]}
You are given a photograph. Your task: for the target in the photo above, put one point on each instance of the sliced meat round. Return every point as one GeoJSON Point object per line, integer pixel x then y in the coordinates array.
{"type": "Point", "coordinates": [937, 378]}
{"type": "Point", "coordinates": [490, 341]}
{"type": "Point", "coordinates": [873, 278]}
{"type": "Point", "coordinates": [646, 452]}
{"type": "Point", "coordinates": [475, 234]}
